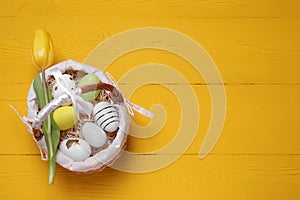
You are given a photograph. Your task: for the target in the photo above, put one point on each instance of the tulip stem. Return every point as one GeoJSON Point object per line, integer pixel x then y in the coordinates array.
{"type": "Point", "coordinates": [47, 101]}
{"type": "Point", "coordinates": [51, 155]}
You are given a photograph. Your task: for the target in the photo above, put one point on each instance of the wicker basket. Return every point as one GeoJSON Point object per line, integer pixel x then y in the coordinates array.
{"type": "Point", "coordinates": [100, 158]}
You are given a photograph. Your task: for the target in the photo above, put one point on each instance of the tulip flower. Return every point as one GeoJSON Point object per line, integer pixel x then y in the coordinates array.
{"type": "Point", "coordinates": [42, 49]}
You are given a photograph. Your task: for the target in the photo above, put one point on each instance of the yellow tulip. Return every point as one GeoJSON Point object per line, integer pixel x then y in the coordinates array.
{"type": "Point", "coordinates": [42, 57]}
{"type": "Point", "coordinates": [42, 49]}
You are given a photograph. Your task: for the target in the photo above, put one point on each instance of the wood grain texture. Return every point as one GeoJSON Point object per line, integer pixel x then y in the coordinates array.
{"type": "Point", "coordinates": [256, 47]}
{"type": "Point", "coordinates": [240, 176]}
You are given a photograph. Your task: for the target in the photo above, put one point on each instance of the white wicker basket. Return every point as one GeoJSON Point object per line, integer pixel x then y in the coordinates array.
{"type": "Point", "coordinates": [100, 159]}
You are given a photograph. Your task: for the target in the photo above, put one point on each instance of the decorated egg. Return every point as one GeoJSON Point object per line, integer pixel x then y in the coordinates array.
{"type": "Point", "coordinates": [106, 116]}
{"type": "Point", "coordinates": [87, 80]}
{"type": "Point", "coordinates": [64, 117]}
{"type": "Point", "coordinates": [93, 134]}
{"type": "Point", "coordinates": [75, 148]}
{"type": "Point", "coordinates": [67, 82]}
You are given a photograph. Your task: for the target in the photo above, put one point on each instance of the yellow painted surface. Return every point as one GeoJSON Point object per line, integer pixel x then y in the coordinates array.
{"type": "Point", "coordinates": [255, 44]}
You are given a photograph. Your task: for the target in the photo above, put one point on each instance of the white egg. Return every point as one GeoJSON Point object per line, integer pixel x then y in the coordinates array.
{"type": "Point", "coordinates": [75, 148]}
{"type": "Point", "coordinates": [68, 83]}
{"type": "Point", "coordinates": [93, 134]}
{"type": "Point", "coordinates": [106, 116]}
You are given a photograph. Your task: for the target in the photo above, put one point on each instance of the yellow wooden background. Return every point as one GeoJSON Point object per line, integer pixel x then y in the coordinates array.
{"type": "Point", "coordinates": [255, 44]}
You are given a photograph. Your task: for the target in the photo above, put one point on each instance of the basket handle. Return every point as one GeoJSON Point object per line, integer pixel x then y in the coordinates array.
{"type": "Point", "coordinates": [114, 94]}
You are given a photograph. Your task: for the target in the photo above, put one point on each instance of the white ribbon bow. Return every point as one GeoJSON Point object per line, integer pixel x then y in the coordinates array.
{"type": "Point", "coordinates": [79, 104]}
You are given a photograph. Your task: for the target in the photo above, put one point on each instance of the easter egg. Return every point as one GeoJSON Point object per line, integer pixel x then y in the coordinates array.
{"type": "Point", "coordinates": [64, 117]}
{"type": "Point", "coordinates": [93, 134]}
{"type": "Point", "coordinates": [67, 82]}
{"type": "Point", "coordinates": [87, 80]}
{"type": "Point", "coordinates": [106, 116]}
{"type": "Point", "coordinates": [75, 148]}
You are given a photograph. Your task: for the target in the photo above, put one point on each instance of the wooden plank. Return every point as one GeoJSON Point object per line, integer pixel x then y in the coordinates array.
{"type": "Point", "coordinates": [259, 120]}
{"type": "Point", "coordinates": [234, 177]}
{"type": "Point", "coordinates": [132, 9]}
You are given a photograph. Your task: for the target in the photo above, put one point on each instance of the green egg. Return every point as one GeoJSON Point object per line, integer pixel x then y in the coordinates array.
{"type": "Point", "coordinates": [87, 80]}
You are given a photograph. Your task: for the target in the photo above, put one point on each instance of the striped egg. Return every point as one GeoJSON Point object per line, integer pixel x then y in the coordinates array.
{"type": "Point", "coordinates": [106, 116]}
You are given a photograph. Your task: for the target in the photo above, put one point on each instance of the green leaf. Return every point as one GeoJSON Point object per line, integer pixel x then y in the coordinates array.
{"type": "Point", "coordinates": [55, 134]}
{"type": "Point", "coordinates": [39, 90]}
